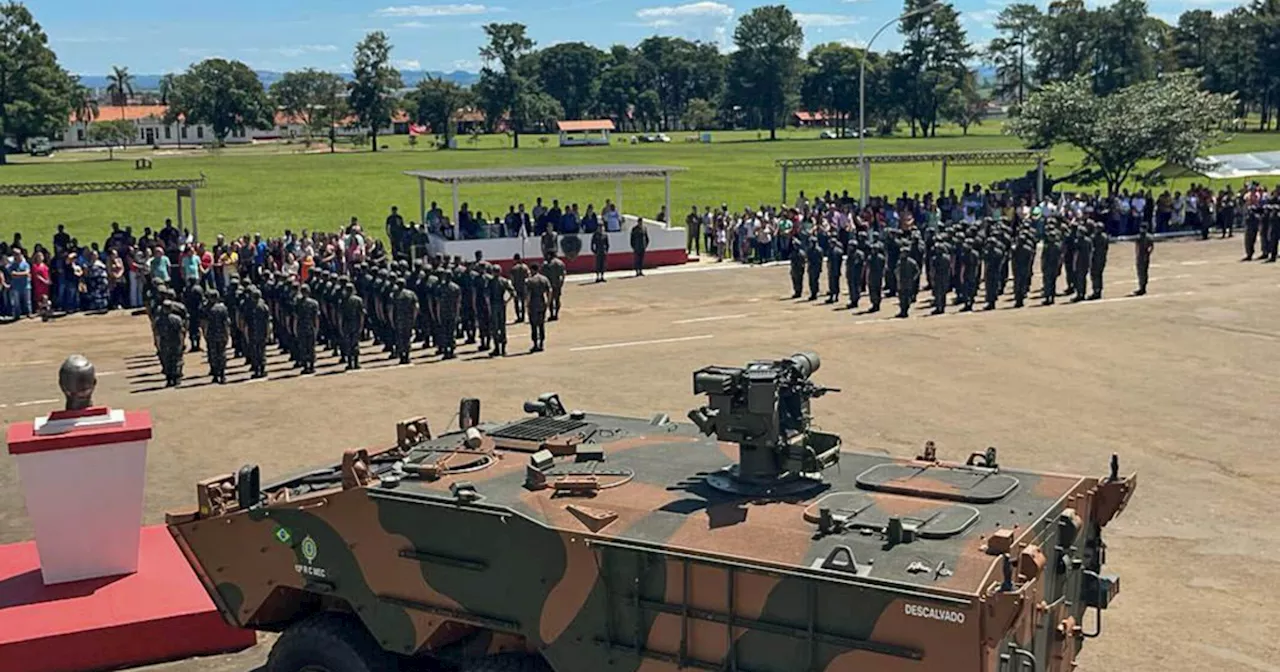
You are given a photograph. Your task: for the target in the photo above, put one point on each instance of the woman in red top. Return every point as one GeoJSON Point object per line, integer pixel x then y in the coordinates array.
{"type": "Point", "coordinates": [40, 282]}
{"type": "Point", "coordinates": [206, 266]}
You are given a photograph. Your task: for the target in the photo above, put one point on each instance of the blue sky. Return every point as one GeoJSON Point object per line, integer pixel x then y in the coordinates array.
{"type": "Point", "coordinates": [156, 36]}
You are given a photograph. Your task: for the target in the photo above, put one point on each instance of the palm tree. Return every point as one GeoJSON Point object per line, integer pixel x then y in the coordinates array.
{"type": "Point", "coordinates": [120, 87]}
{"type": "Point", "coordinates": [84, 105]}
{"type": "Point", "coordinates": [166, 88]}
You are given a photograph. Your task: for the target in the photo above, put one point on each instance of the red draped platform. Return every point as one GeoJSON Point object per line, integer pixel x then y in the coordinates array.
{"type": "Point", "coordinates": [160, 613]}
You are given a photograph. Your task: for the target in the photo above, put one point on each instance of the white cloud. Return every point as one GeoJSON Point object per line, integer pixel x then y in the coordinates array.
{"type": "Point", "coordinates": [433, 10]}
{"type": "Point", "coordinates": [670, 14]}
{"type": "Point", "coordinates": [467, 65]}
{"type": "Point", "coordinates": [298, 50]}
{"type": "Point", "coordinates": [982, 17]}
{"type": "Point", "coordinates": [414, 25]}
{"type": "Point", "coordinates": [826, 20]}
{"type": "Point", "coordinates": [407, 64]}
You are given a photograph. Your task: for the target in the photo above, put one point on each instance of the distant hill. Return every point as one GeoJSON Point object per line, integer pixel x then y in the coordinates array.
{"type": "Point", "coordinates": [411, 78]}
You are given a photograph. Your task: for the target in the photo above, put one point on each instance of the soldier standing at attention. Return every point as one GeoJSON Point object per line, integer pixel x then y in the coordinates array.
{"type": "Point", "coordinates": [1084, 255]}
{"type": "Point", "coordinates": [875, 275]}
{"type": "Point", "coordinates": [232, 303]}
{"type": "Point", "coordinates": [1023, 254]}
{"type": "Point", "coordinates": [908, 281]}
{"type": "Point", "coordinates": [639, 243]}
{"type": "Point", "coordinates": [519, 276]}
{"type": "Point", "coordinates": [306, 316]}
{"type": "Point", "coordinates": [1050, 263]}
{"type": "Point", "coordinates": [482, 304]}
{"type": "Point", "coordinates": [835, 265]}
{"type": "Point", "coordinates": [855, 261]}
{"type": "Point", "coordinates": [693, 227]}
{"type": "Point", "coordinates": [797, 268]}
{"type": "Point", "coordinates": [499, 290]}
{"type": "Point", "coordinates": [217, 325]}
{"type": "Point", "coordinates": [193, 299]}
{"type": "Point", "coordinates": [941, 265]}
{"type": "Point", "coordinates": [554, 271]}
{"type": "Point", "coordinates": [972, 262]}
{"type": "Point", "coordinates": [404, 310]}
{"type": "Point", "coordinates": [992, 258]}
{"type": "Point", "coordinates": [1101, 245]}
{"type": "Point", "coordinates": [892, 252]}
{"type": "Point", "coordinates": [170, 327]}
{"type": "Point", "coordinates": [600, 248]}
{"type": "Point", "coordinates": [467, 310]}
{"type": "Point", "coordinates": [259, 327]}
{"type": "Point", "coordinates": [549, 245]}
{"type": "Point", "coordinates": [813, 263]}
{"type": "Point", "coordinates": [450, 306]}
{"type": "Point", "coordinates": [539, 291]}
{"type": "Point", "coordinates": [352, 315]}
{"type": "Point", "coordinates": [1069, 244]}
{"type": "Point", "coordinates": [1143, 246]}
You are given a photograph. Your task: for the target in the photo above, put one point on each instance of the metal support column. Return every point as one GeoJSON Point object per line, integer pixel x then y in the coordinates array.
{"type": "Point", "coordinates": [784, 185]}
{"type": "Point", "coordinates": [617, 194]}
{"type": "Point", "coordinates": [943, 189]}
{"type": "Point", "coordinates": [1040, 180]}
{"type": "Point", "coordinates": [422, 202]}
{"type": "Point", "coordinates": [195, 226]}
{"type": "Point", "coordinates": [666, 198]}
{"type": "Point", "coordinates": [179, 192]}
{"type": "Point", "coordinates": [455, 207]}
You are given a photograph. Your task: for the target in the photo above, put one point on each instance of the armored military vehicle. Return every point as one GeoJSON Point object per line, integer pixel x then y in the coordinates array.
{"type": "Point", "coordinates": [582, 542]}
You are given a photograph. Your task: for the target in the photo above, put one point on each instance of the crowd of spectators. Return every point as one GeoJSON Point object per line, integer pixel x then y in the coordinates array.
{"type": "Point", "coordinates": [68, 276]}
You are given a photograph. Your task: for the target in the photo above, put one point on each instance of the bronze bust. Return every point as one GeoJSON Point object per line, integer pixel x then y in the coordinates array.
{"type": "Point", "coordinates": [77, 379]}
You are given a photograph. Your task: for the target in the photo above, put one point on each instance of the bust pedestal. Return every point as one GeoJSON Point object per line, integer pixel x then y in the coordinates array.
{"type": "Point", "coordinates": [83, 474]}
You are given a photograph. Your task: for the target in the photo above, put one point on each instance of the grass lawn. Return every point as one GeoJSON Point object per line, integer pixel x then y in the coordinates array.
{"type": "Point", "coordinates": [269, 188]}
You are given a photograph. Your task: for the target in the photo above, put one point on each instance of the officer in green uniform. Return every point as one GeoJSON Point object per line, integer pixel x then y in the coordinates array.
{"type": "Point", "coordinates": [1023, 255]}
{"type": "Point", "coordinates": [600, 249]}
{"type": "Point", "coordinates": [306, 325]}
{"type": "Point", "coordinates": [992, 259]}
{"type": "Point", "coordinates": [1098, 265]}
{"type": "Point", "coordinates": [193, 299]}
{"type": "Point", "coordinates": [499, 291]}
{"type": "Point", "coordinates": [519, 276]}
{"type": "Point", "coordinates": [835, 266]}
{"type": "Point", "coordinates": [876, 264]}
{"type": "Point", "coordinates": [352, 313]}
{"type": "Point", "coordinates": [450, 305]}
{"type": "Point", "coordinates": [940, 263]}
{"type": "Point", "coordinates": [908, 282]}
{"type": "Point", "coordinates": [404, 310]}
{"type": "Point", "coordinates": [1144, 246]}
{"type": "Point", "coordinates": [1050, 266]}
{"type": "Point", "coordinates": [539, 293]}
{"type": "Point", "coordinates": [797, 257]}
{"type": "Point", "coordinates": [169, 328]}
{"type": "Point", "coordinates": [813, 264]}
{"type": "Point", "coordinates": [1084, 258]}
{"type": "Point", "coordinates": [972, 263]}
{"type": "Point", "coordinates": [554, 271]}
{"type": "Point", "coordinates": [855, 261]}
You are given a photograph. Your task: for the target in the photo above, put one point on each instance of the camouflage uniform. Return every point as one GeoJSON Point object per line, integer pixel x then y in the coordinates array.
{"type": "Point", "coordinates": [499, 290]}
{"type": "Point", "coordinates": [992, 260]}
{"type": "Point", "coordinates": [940, 265]}
{"type": "Point", "coordinates": [217, 328]}
{"type": "Point", "coordinates": [1143, 247]}
{"type": "Point", "coordinates": [908, 282]}
{"type": "Point", "coordinates": [798, 254]}
{"type": "Point", "coordinates": [467, 310]}
{"type": "Point", "coordinates": [600, 248]}
{"type": "Point", "coordinates": [1050, 266]}
{"type": "Point", "coordinates": [554, 271]}
{"type": "Point", "coordinates": [193, 299]}
{"type": "Point", "coordinates": [1084, 259]}
{"type": "Point", "coordinates": [539, 293]}
{"type": "Point", "coordinates": [259, 320]}
{"type": "Point", "coordinates": [855, 261]}
{"type": "Point", "coordinates": [835, 265]}
{"type": "Point", "coordinates": [813, 264]}
{"type": "Point", "coordinates": [352, 313]}
{"type": "Point", "coordinates": [1023, 258]}
{"type": "Point", "coordinates": [1098, 265]}
{"type": "Point", "coordinates": [170, 329]}
{"type": "Point", "coordinates": [306, 328]}
{"type": "Point", "coordinates": [404, 309]}
{"type": "Point", "coordinates": [519, 276]}
{"type": "Point", "coordinates": [876, 263]}
{"type": "Point", "coordinates": [449, 306]}
{"type": "Point", "coordinates": [972, 270]}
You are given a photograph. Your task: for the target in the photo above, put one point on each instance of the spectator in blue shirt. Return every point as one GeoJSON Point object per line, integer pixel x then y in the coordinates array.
{"type": "Point", "coordinates": [159, 265]}
{"type": "Point", "coordinates": [19, 273]}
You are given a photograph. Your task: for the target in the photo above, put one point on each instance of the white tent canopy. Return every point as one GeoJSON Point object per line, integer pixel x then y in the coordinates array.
{"type": "Point", "coordinates": [1236, 166]}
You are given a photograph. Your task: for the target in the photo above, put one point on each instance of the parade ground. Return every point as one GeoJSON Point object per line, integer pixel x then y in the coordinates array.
{"type": "Point", "coordinates": [1179, 383]}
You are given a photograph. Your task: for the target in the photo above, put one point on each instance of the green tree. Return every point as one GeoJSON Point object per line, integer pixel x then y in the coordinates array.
{"type": "Point", "coordinates": [435, 101]}
{"type": "Point", "coordinates": [501, 88]}
{"type": "Point", "coordinates": [119, 87]}
{"type": "Point", "coordinates": [110, 134]}
{"type": "Point", "coordinates": [934, 51]}
{"type": "Point", "coordinates": [1266, 40]}
{"type": "Point", "coordinates": [699, 115]}
{"type": "Point", "coordinates": [965, 105]}
{"type": "Point", "coordinates": [226, 95]}
{"type": "Point", "coordinates": [538, 111]}
{"type": "Point", "coordinates": [35, 92]}
{"type": "Point", "coordinates": [830, 81]}
{"type": "Point", "coordinates": [649, 109]}
{"type": "Point", "coordinates": [1170, 120]}
{"type": "Point", "coordinates": [618, 86]}
{"type": "Point", "coordinates": [570, 73]}
{"type": "Point", "coordinates": [768, 40]}
{"type": "Point", "coordinates": [1011, 52]}
{"type": "Point", "coordinates": [1121, 54]}
{"type": "Point", "coordinates": [310, 96]}
{"type": "Point", "coordinates": [372, 93]}
{"type": "Point", "coordinates": [1064, 42]}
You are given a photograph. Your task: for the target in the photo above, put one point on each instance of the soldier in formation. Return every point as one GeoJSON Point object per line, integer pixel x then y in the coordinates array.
{"type": "Point", "coordinates": [600, 250]}
{"type": "Point", "coordinates": [554, 271]}
{"type": "Point", "coordinates": [539, 294]}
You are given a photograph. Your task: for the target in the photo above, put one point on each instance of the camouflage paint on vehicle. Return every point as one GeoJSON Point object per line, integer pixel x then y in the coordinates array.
{"type": "Point", "coordinates": [596, 541]}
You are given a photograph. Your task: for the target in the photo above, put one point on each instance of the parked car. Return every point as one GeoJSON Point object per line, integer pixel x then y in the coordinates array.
{"type": "Point", "coordinates": [41, 147]}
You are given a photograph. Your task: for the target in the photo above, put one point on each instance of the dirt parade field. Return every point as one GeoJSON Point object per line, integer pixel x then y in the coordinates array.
{"type": "Point", "coordinates": [1180, 383]}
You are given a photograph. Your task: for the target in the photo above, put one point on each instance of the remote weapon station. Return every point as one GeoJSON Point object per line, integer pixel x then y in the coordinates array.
{"type": "Point", "coordinates": [572, 541]}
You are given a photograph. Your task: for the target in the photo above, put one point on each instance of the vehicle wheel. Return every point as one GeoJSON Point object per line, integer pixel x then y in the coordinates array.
{"type": "Point", "coordinates": [508, 662]}
{"type": "Point", "coordinates": [329, 643]}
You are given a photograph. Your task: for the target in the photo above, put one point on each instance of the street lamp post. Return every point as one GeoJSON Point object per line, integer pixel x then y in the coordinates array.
{"type": "Point", "coordinates": [864, 180]}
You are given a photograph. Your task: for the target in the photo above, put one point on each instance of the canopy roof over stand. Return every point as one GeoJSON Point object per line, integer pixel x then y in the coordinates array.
{"type": "Point", "coordinates": [1228, 166]}
{"type": "Point", "coordinates": [184, 187]}
{"type": "Point", "coordinates": [994, 157]}
{"type": "Point", "coordinates": [617, 172]}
